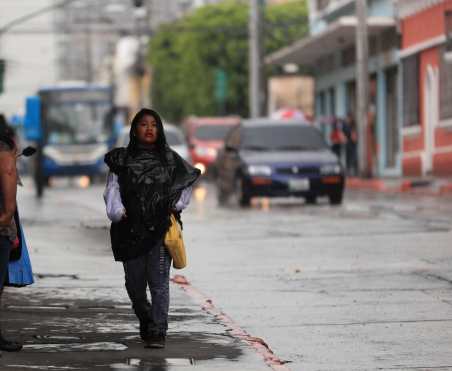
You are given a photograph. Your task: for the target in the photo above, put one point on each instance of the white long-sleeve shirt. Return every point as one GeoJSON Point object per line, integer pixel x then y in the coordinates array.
{"type": "Point", "coordinates": [115, 207]}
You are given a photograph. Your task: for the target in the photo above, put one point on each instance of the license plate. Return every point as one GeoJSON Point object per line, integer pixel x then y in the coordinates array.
{"type": "Point", "coordinates": [299, 184]}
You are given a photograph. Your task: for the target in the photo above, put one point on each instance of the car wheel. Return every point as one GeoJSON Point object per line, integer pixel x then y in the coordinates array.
{"type": "Point", "coordinates": [311, 199]}
{"type": "Point", "coordinates": [243, 196]}
{"type": "Point", "coordinates": [336, 198]}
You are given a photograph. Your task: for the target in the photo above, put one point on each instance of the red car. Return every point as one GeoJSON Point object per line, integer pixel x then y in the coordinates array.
{"type": "Point", "coordinates": [205, 136]}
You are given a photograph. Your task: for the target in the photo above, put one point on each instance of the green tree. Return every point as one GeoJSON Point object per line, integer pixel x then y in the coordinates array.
{"type": "Point", "coordinates": [186, 54]}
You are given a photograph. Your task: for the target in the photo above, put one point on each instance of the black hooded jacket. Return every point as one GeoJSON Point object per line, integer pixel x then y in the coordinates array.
{"type": "Point", "coordinates": [151, 182]}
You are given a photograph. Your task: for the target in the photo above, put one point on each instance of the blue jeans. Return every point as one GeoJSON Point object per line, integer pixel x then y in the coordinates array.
{"type": "Point", "coordinates": [150, 270]}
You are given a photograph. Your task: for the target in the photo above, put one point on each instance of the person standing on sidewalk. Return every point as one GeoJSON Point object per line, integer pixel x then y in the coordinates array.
{"type": "Point", "coordinates": [147, 182]}
{"type": "Point", "coordinates": [351, 146]}
{"type": "Point", "coordinates": [8, 230]}
{"type": "Point", "coordinates": [337, 137]}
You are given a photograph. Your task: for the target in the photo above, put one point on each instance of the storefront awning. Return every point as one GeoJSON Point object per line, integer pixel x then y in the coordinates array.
{"type": "Point", "coordinates": [337, 36]}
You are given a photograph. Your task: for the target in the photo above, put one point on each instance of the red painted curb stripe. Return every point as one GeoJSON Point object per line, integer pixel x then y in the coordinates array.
{"type": "Point", "coordinates": [258, 344]}
{"type": "Point", "coordinates": [406, 187]}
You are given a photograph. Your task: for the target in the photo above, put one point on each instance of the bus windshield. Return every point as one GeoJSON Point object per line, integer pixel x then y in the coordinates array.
{"type": "Point", "coordinates": [77, 122]}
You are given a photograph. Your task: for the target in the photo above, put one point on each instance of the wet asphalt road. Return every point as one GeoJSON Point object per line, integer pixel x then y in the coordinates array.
{"type": "Point", "coordinates": [364, 286]}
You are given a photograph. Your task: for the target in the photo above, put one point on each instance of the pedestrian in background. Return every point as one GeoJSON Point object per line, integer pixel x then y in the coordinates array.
{"type": "Point", "coordinates": [337, 137]}
{"type": "Point", "coordinates": [351, 146]}
{"type": "Point", "coordinates": [8, 228]}
{"type": "Point", "coordinates": [147, 182]}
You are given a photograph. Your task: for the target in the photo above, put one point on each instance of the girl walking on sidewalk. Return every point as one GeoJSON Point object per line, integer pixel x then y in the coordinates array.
{"type": "Point", "coordinates": [147, 182]}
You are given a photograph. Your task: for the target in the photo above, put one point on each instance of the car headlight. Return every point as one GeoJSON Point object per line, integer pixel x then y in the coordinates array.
{"type": "Point", "coordinates": [206, 151]}
{"type": "Point", "coordinates": [259, 170]}
{"type": "Point", "coordinates": [330, 169]}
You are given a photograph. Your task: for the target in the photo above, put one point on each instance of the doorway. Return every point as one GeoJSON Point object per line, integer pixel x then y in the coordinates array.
{"type": "Point", "coordinates": [431, 86]}
{"type": "Point", "coordinates": [392, 128]}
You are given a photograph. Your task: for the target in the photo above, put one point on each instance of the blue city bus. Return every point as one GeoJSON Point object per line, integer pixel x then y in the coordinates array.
{"type": "Point", "coordinates": [73, 128]}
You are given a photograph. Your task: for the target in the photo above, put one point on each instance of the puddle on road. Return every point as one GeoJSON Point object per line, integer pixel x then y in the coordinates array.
{"type": "Point", "coordinates": [97, 308]}
{"type": "Point", "coordinates": [136, 364]}
{"type": "Point", "coordinates": [35, 307]}
{"type": "Point", "coordinates": [51, 275]}
{"type": "Point", "coordinates": [56, 338]}
{"type": "Point", "coordinates": [53, 368]}
{"type": "Point", "coordinates": [76, 347]}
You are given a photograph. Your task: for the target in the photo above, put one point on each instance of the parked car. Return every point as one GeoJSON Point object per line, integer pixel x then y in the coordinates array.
{"type": "Point", "coordinates": [174, 137]}
{"type": "Point", "coordinates": [264, 157]}
{"type": "Point", "coordinates": [205, 136]}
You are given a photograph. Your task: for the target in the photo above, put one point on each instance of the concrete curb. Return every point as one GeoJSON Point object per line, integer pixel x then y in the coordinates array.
{"type": "Point", "coordinates": [258, 344]}
{"type": "Point", "coordinates": [422, 187]}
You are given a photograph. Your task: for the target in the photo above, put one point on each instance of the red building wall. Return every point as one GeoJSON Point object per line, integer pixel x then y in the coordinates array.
{"type": "Point", "coordinates": [416, 29]}
{"type": "Point", "coordinates": [424, 25]}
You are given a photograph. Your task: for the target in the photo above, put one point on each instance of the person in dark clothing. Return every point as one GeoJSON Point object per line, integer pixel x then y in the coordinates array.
{"type": "Point", "coordinates": [337, 137]}
{"type": "Point", "coordinates": [8, 228]}
{"type": "Point", "coordinates": [351, 146]}
{"type": "Point", "coordinates": [147, 182]}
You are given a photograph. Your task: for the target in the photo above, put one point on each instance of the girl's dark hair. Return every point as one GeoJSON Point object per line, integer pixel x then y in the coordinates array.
{"type": "Point", "coordinates": [6, 132]}
{"type": "Point", "coordinates": [161, 139]}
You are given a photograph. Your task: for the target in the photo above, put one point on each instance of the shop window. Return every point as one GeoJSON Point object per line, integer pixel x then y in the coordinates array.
{"type": "Point", "coordinates": [351, 97]}
{"type": "Point", "coordinates": [322, 103]}
{"type": "Point", "coordinates": [332, 98]}
{"type": "Point", "coordinates": [373, 46]}
{"type": "Point", "coordinates": [389, 40]}
{"type": "Point", "coordinates": [348, 56]}
{"type": "Point", "coordinates": [411, 91]}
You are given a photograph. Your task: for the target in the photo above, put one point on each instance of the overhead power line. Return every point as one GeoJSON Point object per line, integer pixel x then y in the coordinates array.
{"type": "Point", "coordinates": [36, 13]}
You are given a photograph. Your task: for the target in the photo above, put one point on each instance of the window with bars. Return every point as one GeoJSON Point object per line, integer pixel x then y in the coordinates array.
{"type": "Point", "coordinates": [411, 91]}
{"type": "Point", "coordinates": [445, 72]}
{"type": "Point", "coordinates": [445, 87]}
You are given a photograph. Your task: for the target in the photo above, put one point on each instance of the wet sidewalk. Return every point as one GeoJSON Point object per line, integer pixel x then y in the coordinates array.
{"type": "Point", "coordinates": [428, 186]}
{"type": "Point", "coordinates": [77, 316]}
{"type": "Point", "coordinates": [69, 326]}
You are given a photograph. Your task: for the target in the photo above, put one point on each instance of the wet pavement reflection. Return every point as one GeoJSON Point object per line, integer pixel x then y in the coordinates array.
{"type": "Point", "coordinates": [153, 364]}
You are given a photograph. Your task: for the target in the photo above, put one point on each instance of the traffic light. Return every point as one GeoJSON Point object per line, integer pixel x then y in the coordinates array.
{"type": "Point", "coordinates": [2, 74]}
{"type": "Point", "coordinates": [138, 3]}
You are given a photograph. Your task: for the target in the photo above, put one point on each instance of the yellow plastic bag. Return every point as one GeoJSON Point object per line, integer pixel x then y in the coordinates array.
{"type": "Point", "coordinates": [175, 244]}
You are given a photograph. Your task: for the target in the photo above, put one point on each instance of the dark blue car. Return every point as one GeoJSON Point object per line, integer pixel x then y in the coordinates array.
{"type": "Point", "coordinates": [270, 158]}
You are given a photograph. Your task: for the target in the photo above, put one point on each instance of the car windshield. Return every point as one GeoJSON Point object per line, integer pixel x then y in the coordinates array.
{"type": "Point", "coordinates": [212, 132]}
{"type": "Point", "coordinates": [283, 137]}
{"type": "Point", "coordinates": [173, 138]}
{"type": "Point", "coordinates": [77, 123]}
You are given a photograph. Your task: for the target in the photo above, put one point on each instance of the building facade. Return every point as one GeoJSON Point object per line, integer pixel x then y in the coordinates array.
{"type": "Point", "coordinates": [29, 51]}
{"type": "Point", "coordinates": [427, 86]}
{"type": "Point", "coordinates": [88, 31]}
{"type": "Point", "coordinates": [329, 53]}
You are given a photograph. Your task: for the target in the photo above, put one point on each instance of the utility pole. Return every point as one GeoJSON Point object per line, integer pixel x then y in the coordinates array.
{"type": "Point", "coordinates": [362, 91]}
{"type": "Point", "coordinates": [88, 46]}
{"type": "Point", "coordinates": [256, 92]}
{"type": "Point", "coordinates": [140, 14]}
